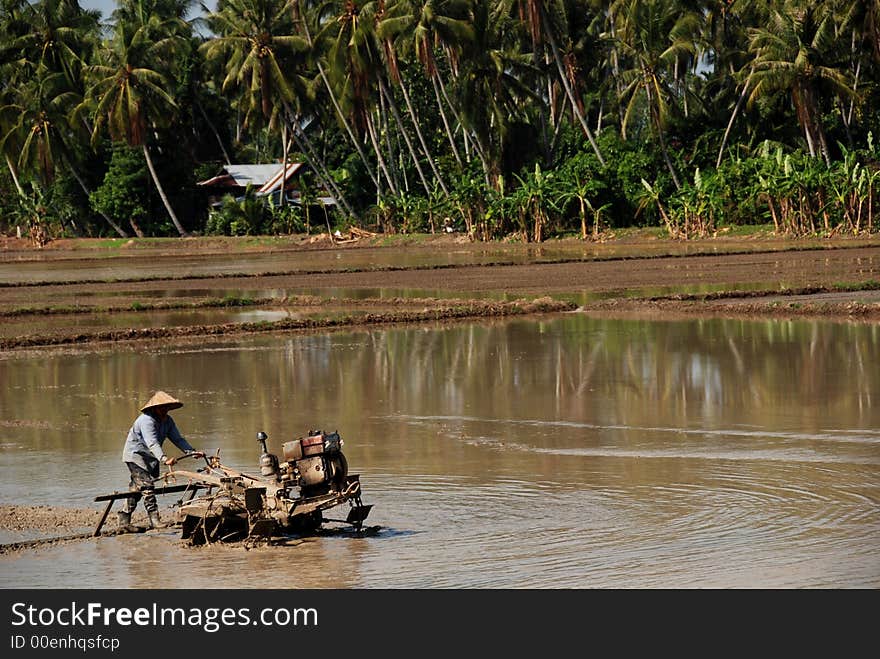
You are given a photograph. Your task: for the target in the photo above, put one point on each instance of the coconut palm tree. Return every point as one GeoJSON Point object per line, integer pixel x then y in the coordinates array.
{"type": "Point", "coordinates": [348, 61]}
{"type": "Point", "coordinates": [39, 125]}
{"type": "Point", "coordinates": [128, 88]}
{"type": "Point", "coordinates": [723, 48]}
{"type": "Point", "coordinates": [254, 46]}
{"type": "Point", "coordinates": [385, 31]}
{"type": "Point", "coordinates": [255, 42]}
{"type": "Point", "coordinates": [360, 72]}
{"type": "Point", "coordinates": [60, 36]}
{"type": "Point", "coordinates": [259, 53]}
{"type": "Point", "coordinates": [491, 87]}
{"type": "Point", "coordinates": [797, 53]}
{"type": "Point", "coordinates": [420, 26]}
{"type": "Point", "coordinates": [653, 35]}
{"type": "Point", "coordinates": [44, 48]}
{"type": "Point", "coordinates": [302, 17]}
{"type": "Point", "coordinates": [546, 19]}
{"type": "Point", "coordinates": [15, 67]}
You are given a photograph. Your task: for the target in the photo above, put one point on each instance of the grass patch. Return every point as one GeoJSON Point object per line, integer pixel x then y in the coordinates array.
{"type": "Point", "coordinates": [403, 239]}
{"type": "Point", "coordinates": [747, 230]}
{"type": "Point", "coordinates": [108, 243]}
{"type": "Point", "coordinates": [137, 305]}
{"type": "Point", "coordinates": [229, 301]}
{"type": "Point", "coordinates": [118, 243]}
{"type": "Point", "coordinates": [870, 285]}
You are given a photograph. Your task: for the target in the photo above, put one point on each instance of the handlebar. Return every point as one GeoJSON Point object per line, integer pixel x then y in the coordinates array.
{"type": "Point", "coordinates": [209, 460]}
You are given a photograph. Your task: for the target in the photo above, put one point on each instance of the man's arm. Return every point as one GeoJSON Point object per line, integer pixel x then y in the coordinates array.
{"type": "Point", "coordinates": [177, 439]}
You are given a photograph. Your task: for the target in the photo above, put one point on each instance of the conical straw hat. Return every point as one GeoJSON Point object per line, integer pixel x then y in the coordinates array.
{"type": "Point", "coordinates": [161, 398]}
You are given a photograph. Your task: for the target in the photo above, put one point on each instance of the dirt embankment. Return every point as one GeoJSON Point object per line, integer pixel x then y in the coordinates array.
{"type": "Point", "coordinates": [474, 309]}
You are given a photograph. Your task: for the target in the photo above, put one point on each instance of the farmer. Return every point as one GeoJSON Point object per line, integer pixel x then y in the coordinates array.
{"type": "Point", "coordinates": [143, 453]}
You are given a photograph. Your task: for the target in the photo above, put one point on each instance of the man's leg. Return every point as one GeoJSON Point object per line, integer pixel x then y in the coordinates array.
{"type": "Point", "coordinates": [141, 484]}
{"type": "Point", "coordinates": [150, 502]}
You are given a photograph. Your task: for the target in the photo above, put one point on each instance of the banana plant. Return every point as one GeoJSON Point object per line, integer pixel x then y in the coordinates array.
{"type": "Point", "coordinates": [652, 196]}
{"type": "Point", "coordinates": [585, 191]}
{"type": "Point", "coordinates": [535, 195]}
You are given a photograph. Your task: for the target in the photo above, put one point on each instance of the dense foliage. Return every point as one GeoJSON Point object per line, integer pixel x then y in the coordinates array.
{"type": "Point", "coordinates": [530, 118]}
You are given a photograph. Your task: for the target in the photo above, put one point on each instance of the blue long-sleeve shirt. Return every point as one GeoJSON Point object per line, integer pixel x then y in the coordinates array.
{"type": "Point", "coordinates": [143, 446]}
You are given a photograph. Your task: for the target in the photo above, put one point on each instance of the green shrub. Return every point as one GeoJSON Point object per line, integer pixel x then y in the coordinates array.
{"type": "Point", "coordinates": [245, 216]}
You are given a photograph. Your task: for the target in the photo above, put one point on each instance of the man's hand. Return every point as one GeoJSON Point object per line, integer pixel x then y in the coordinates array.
{"type": "Point", "coordinates": [170, 461]}
{"type": "Point", "coordinates": [196, 454]}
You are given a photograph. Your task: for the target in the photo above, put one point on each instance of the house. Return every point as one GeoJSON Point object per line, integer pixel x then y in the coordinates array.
{"type": "Point", "coordinates": [265, 179]}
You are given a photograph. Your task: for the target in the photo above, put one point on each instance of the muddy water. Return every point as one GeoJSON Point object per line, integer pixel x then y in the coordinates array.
{"type": "Point", "coordinates": [569, 452]}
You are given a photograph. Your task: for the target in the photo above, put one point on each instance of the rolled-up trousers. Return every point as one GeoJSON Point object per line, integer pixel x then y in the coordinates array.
{"type": "Point", "coordinates": [142, 483]}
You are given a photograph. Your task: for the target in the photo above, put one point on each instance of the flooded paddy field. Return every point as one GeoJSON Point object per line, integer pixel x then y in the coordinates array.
{"type": "Point", "coordinates": [225, 302]}
{"type": "Point", "coordinates": [629, 441]}
{"type": "Point", "coordinates": [70, 261]}
{"type": "Point", "coordinates": [561, 452]}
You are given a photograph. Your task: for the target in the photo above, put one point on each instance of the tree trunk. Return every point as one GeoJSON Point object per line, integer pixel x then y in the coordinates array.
{"type": "Point", "coordinates": [542, 110]}
{"type": "Point", "coordinates": [371, 130]}
{"type": "Point", "coordinates": [85, 189]}
{"type": "Point", "coordinates": [846, 116]}
{"type": "Point", "coordinates": [667, 159]}
{"type": "Point", "coordinates": [394, 157]}
{"type": "Point", "coordinates": [568, 90]}
{"type": "Point", "coordinates": [321, 171]}
{"type": "Point", "coordinates": [213, 130]}
{"type": "Point", "coordinates": [555, 118]}
{"type": "Point", "coordinates": [161, 190]}
{"type": "Point", "coordinates": [415, 122]}
{"type": "Point", "coordinates": [655, 116]}
{"type": "Point", "coordinates": [135, 227]}
{"type": "Point", "coordinates": [285, 147]}
{"type": "Point", "coordinates": [14, 176]}
{"type": "Point", "coordinates": [348, 129]}
{"type": "Point", "coordinates": [317, 163]}
{"type": "Point", "coordinates": [811, 115]}
{"type": "Point", "coordinates": [445, 120]}
{"type": "Point", "coordinates": [804, 119]}
{"type": "Point", "coordinates": [478, 149]}
{"type": "Point", "coordinates": [736, 109]}
{"type": "Point", "coordinates": [583, 219]}
{"type": "Point", "coordinates": [391, 104]}
{"type": "Point", "coordinates": [456, 116]}
{"type": "Point", "coordinates": [339, 112]}
{"type": "Point", "coordinates": [615, 70]}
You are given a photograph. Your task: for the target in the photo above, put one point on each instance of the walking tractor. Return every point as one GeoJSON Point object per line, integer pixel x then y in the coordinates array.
{"type": "Point", "coordinates": [288, 497]}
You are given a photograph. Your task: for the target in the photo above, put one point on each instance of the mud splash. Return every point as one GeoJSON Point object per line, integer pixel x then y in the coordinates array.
{"type": "Point", "coordinates": [46, 518]}
{"type": "Point", "coordinates": [49, 526]}
{"type": "Point", "coordinates": [55, 525]}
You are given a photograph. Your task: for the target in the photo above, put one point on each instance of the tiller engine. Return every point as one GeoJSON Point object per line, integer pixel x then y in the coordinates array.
{"type": "Point", "coordinates": [288, 497]}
